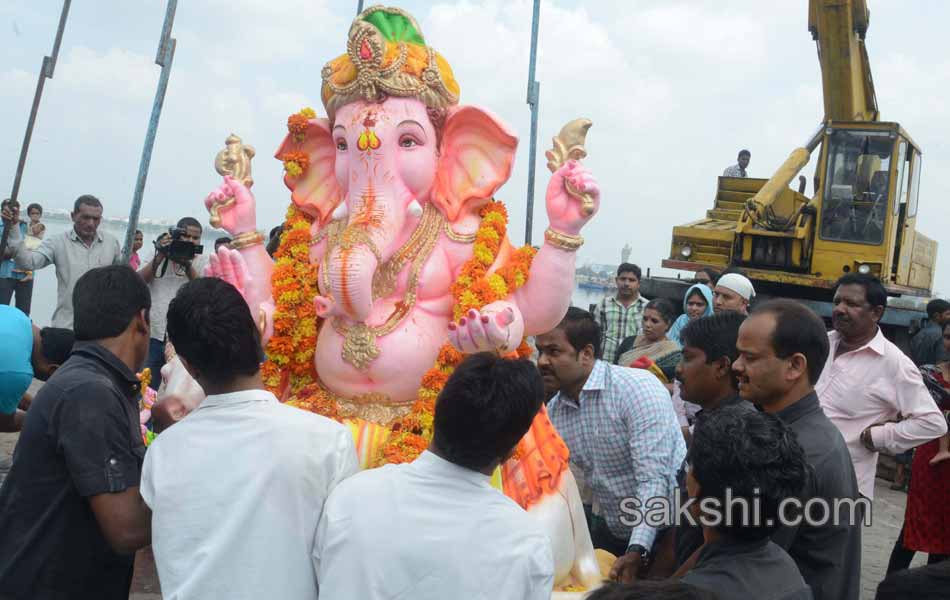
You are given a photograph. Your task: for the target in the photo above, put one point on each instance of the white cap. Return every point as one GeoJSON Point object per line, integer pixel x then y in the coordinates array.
{"type": "Point", "coordinates": [738, 284]}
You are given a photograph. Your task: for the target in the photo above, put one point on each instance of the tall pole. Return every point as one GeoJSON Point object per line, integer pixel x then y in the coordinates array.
{"type": "Point", "coordinates": [46, 72]}
{"type": "Point", "coordinates": [534, 96]}
{"type": "Point", "coordinates": [359, 7]}
{"type": "Point", "coordinates": [163, 58]}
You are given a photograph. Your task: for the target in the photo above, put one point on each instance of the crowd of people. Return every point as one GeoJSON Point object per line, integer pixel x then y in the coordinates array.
{"type": "Point", "coordinates": [749, 428]}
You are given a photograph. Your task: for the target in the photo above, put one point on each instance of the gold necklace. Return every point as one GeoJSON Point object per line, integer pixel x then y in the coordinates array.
{"type": "Point", "coordinates": [359, 344]}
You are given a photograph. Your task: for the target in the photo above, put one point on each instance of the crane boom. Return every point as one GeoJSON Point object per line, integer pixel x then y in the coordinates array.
{"type": "Point", "coordinates": [838, 28]}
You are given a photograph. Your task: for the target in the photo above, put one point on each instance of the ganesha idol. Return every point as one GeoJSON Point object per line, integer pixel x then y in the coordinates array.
{"type": "Point", "coordinates": [394, 262]}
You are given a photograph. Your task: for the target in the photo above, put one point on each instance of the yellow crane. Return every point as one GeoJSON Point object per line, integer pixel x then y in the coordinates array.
{"type": "Point", "coordinates": [863, 214]}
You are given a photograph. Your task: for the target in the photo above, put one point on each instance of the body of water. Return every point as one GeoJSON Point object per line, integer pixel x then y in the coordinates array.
{"type": "Point", "coordinates": [44, 286]}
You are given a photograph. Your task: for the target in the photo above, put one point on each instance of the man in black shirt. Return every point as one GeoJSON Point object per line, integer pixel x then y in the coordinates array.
{"type": "Point", "coordinates": [740, 461]}
{"type": "Point", "coordinates": [70, 512]}
{"type": "Point", "coordinates": [783, 347]}
{"type": "Point", "coordinates": [926, 347]}
{"type": "Point", "coordinates": [706, 379]}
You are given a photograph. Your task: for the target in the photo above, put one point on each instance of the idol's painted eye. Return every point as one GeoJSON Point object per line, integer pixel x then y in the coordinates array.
{"type": "Point", "coordinates": [407, 141]}
{"type": "Point", "coordinates": [341, 145]}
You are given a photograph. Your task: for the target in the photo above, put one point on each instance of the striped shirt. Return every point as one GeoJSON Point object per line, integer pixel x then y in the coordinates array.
{"type": "Point", "coordinates": [623, 434]}
{"type": "Point", "coordinates": [618, 322]}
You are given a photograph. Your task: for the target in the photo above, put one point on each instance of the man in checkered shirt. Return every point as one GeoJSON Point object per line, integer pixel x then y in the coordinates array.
{"type": "Point", "coordinates": [621, 317]}
{"type": "Point", "coordinates": [621, 429]}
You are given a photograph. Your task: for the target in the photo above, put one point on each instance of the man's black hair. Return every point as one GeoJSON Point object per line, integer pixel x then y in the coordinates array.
{"type": "Point", "coordinates": [275, 231]}
{"type": "Point", "coordinates": [715, 335]}
{"type": "Point", "coordinates": [581, 329]}
{"type": "Point", "coordinates": [798, 330]}
{"type": "Point", "coordinates": [56, 343]}
{"type": "Point", "coordinates": [88, 200]}
{"type": "Point", "coordinates": [33, 206]}
{"type": "Point", "coordinates": [873, 288]}
{"type": "Point", "coordinates": [664, 307]}
{"type": "Point", "coordinates": [211, 327]}
{"type": "Point", "coordinates": [137, 231]}
{"type": "Point", "coordinates": [189, 222]}
{"type": "Point", "coordinates": [713, 274]}
{"type": "Point", "coordinates": [485, 408]}
{"type": "Point", "coordinates": [755, 456]}
{"type": "Point", "coordinates": [742, 153]}
{"type": "Point", "coordinates": [936, 307]}
{"type": "Point", "coordinates": [222, 240]}
{"type": "Point", "coordinates": [929, 582]}
{"type": "Point", "coordinates": [664, 589]}
{"type": "Point", "coordinates": [629, 268]}
{"type": "Point", "coordinates": [106, 300]}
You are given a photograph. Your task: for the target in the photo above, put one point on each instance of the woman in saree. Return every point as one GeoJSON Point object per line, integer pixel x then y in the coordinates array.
{"type": "Point", "coordinates": [698, 302]}
{"type": "Point", "coordinates": [653, 343]}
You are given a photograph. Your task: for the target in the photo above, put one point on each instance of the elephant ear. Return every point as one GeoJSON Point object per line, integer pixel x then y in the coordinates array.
{"type": "Point", "coordinates": [476, 157]}
{"type": "Point", "coordinates": [315, 189]}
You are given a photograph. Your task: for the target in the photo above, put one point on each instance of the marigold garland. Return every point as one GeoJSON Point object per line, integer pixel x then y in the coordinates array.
{"type": "Point", "coordinates": [290, 366]}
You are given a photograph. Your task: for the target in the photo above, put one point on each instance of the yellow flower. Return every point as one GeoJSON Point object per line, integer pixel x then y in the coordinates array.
{"type": "Point", "coordinates": [498, 285]}
{"type": "Point", "coordinates": [483, 254]}
{"type": "Point", "coordinates": [292, 168]}
{"type": "Point", "coordinates": [308, 112]}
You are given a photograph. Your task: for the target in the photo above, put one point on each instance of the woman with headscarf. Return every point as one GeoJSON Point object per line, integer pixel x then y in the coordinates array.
{"type": "Point", "coordinates": [697, 303]}
{"type": "Point", "coordinates": [653, 343]}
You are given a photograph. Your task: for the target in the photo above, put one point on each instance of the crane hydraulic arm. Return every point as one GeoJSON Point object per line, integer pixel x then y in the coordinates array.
{"type": "Point", "coordinates": [838, 28]}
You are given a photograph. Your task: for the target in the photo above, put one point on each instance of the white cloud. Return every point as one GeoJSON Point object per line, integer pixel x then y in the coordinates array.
{"type": "Point", "coordinates": [17, 83]}
{"type": "Point", "coordinates": [115, 73]}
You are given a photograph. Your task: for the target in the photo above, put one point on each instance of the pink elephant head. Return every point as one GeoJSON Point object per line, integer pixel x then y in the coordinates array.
{"type": "Point", "coordinates": [395, 141]}
{"type": "Point", "coordinates": [379, 163]}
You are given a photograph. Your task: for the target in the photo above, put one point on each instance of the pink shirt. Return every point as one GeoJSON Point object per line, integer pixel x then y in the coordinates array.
{"type": "Point", "coordinates": [870, 386]}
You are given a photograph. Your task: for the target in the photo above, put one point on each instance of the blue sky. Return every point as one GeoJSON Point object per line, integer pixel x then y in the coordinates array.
{"type": "Point", "coordinates": [674, 88]}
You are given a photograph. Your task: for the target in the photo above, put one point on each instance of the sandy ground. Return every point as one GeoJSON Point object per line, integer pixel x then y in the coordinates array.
{"type": "Point", "coordinates": [878, 540]}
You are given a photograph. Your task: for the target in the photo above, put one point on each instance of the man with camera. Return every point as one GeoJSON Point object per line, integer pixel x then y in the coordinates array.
{"type": "Point", "coordinates": [173, 266]}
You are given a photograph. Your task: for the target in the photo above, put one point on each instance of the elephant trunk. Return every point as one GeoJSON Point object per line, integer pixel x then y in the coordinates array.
{"type": "Point", "coordinates": [365, 243]}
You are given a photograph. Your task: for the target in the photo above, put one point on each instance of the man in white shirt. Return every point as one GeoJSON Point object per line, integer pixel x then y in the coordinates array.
{"type": "Point", "coordinates": [436, 529]}
{"type": "Point", "coordinates": [236, 489]}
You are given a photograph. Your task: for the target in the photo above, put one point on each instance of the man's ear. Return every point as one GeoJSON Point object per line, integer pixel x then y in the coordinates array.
{"type": "Point", "coordinates": [142, 322]}
{"type": "Point", "coordinates": [52, 369]}
{"type": "Point", "coordinates": [724, 367]}
{"type": "Point", "coordinates": [588, 355]}
{"type": "Point", "coordinates": [877, 312]}
{"type": "Point", "coordinates": [798, 367]}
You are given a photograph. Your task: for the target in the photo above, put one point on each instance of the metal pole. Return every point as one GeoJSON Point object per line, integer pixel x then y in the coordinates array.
{"type": "Point", "coordinates": [534, 96]}
{"type": "Point", "coordinates": [359, 7]}
{"type": "Point", "coordinates": [46, 72]}
{"type": "Point", "coordinates": [163, 58]}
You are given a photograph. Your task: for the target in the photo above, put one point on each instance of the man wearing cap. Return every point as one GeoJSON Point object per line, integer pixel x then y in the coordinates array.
{"type": "Point", "coordinates": [733, 292]}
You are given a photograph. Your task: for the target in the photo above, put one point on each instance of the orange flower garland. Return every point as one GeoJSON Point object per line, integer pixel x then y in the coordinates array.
{"type": "Point", "coordinates": [289, 365]}
{"type": "Point", "coordinates": [474, 288]}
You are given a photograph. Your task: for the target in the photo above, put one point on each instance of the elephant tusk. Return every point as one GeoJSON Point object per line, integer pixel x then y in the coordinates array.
{"type": "Point", "coordinates": [414, 209]}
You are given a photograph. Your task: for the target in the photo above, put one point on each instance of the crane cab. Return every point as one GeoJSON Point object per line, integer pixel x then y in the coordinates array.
{"type": "Point", "coordinates": [866, 203]}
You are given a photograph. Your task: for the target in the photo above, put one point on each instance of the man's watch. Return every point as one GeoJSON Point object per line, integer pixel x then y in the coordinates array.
{"type": "Point", "coordinates": [867, 440]}
{"type": "Point", "coordinates": [638, 549]}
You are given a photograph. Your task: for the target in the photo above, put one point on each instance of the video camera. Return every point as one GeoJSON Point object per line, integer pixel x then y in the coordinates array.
{"type": "Point", "coordinates": [179, 250]}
